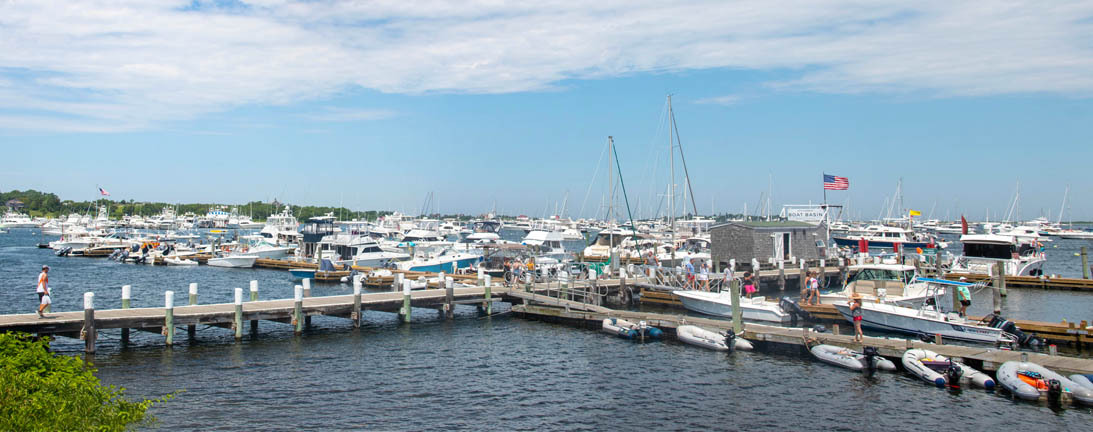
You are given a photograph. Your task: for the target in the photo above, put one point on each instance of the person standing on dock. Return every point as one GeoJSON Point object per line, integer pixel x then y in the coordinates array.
{"type": "Point", "coordinates": [689, 269]}
{"type": "Point", "coordinates": [855, 314]}
{"type": "Point", "coordinates": [704, 275]}
{"type": "Point", "coordinates": [964, 296]}
{"type": "Point", "coordinates": [813, 287]}
{"type": "Point", "coordinates": [43, 291]}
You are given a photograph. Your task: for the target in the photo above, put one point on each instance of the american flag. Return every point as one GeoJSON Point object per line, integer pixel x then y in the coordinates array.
{"type": "Point", "coordinates": [103, 192]}
{"type": "Point", "coordinates": [836, 183]}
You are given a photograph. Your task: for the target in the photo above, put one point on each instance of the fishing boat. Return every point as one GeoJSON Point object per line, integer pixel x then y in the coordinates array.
{"type": "Point", "coordinates": [720, 304]}
{"type": "Point", "coordinates": [942, 371]}
{"type": "Point", "coordinates": [928, 319]}
{"type": "Point", "coordinates": [628, 330]}
{"type": "Point", "coordinates": [983, 251]}
{"type": "Point", "coordinates": [1030, 381]}
{"type": "Point", "coordinates": [894, 283]}
{"type": "Point", "coordinates": [708, 339]}
{"type": "Point", "coordinates": [854, 360]}
{"type": "Point", "coordinates": [233, 261]}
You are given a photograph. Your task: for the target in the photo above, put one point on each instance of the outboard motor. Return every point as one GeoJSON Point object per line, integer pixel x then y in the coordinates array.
{"type": "Point", "coordinates": [870, 358]}
{"type": "Point", "coordinates": [1054, 392]}
{"type": "Point", "coordinates": [953, 374]}
{"type": "Point", "coordinates": [730, 339]}
{"type": "Point", "coordinates": [794, 310]}
{"type": "Point", "coordinates": [1007, 326]}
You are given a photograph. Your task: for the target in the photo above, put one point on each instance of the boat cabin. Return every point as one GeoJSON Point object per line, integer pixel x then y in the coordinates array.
{"type": "Point", "coordinates": [867, 279]}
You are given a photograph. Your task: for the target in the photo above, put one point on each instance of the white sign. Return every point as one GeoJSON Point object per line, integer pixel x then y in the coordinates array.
{"type": "Point", "coordinates": [813, 214]}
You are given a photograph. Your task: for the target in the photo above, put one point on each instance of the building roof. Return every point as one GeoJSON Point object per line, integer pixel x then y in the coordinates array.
{"type": "Point", "coordinates": [768, 224]}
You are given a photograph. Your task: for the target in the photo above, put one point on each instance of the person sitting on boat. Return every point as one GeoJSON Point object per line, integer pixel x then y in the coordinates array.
{"type": "Point", "coordinates": [964, 296]}
{"type": "Point", "coordinates": [855, 314]}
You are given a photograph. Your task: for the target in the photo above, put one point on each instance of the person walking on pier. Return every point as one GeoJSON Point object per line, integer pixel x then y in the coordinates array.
{"type": "Point", "coordinates": [855, 313]}
{"type": "Point", "coordinates": [43, 291]}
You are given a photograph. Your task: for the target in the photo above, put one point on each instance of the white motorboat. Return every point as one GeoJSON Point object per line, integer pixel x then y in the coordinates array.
{"type": "Point", "coordinates": [281, 228]}
{"type": "Point", "coordinates": [926, 320]}
{"type": "Point", "coordinates": [546, 244]}
{"type": "Point", "coordinates": [17, 220]}
{"type": "Point", "coordinates": [942, 371]}
{"type": "Point", "coordinates": [448, 260]}
{"type": "Point", "coordinates": [895, 283]}
{"type": "Point", "coordinates": [1076, 235]}
{"type": "Point", "coordinates": [365, 251]}
{"type": "Point", "coordinates": [701, 337]}
{"type": "Point", "coordinates": [850, 359]}
{"type": "Point", "coordinates": [605, 241]}
{"type": "Point", "coordinates": [233, 261]}
{"type": "Point", "coordinates": [983, 251]}
{"type": "Point", "coordinates": [720, 304]}
{"type": "Point", "coordinates": [1030, 381]}
{"type": "Point", "coordinates": [174, 261]}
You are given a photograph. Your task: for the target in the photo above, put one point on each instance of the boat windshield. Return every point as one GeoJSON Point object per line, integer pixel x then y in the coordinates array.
{"type": "Point", "coordinates": [986, 250]}
{"type": "Point", "coordinates": [883, 274]}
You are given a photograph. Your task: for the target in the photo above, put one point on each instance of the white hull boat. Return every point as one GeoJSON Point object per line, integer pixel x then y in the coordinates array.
{"type": "Point", "coordinates": [850, 359]}
{"type": "Point", "coordinates": [701, 337]}
{"type": "Point", "coordinates": [179, 262]}
{"type": "Point", "coordinates": [1030, 381]}
{"type": "Point", "coordinates": [720, 304]}
{"type": "Point", "coordinates": [924, 321]}
{"type": "Point", "coordinates": [233, 261]}
{"type": "Point", "coordinates": [934, 368]}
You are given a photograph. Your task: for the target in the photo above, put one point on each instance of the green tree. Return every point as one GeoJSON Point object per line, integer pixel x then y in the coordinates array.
{"type": "Point", "coordinates": [43, 391]}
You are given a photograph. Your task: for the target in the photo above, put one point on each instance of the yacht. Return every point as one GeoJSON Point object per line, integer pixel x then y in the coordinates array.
{"type": "Point", "coordinates": [12, 219]}
{"type": "Point", "coordinates": [281, 228]}
{"type": "Point", "coordinates": [720, 304]}
{"type": "Point", "coordinates": [605, 241]}
{"type": "Point", "coordinates": [546, 244]}
{"type": "Point", "coordinates": [982, 251]}
{"type": "Point", "coordinates": [883, 236]}
{"type": "Point", "coordinates": [362, 250]}
{"type": "Point", "coordinates": [448, 260]}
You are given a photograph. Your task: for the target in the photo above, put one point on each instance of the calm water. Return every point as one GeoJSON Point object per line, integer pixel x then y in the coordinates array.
{"type": "Point", "coordinates": [497, 373]}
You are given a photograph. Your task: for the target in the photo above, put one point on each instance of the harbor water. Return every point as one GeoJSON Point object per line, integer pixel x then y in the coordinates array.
{"type": "Point", "coordinates": [493, 373]}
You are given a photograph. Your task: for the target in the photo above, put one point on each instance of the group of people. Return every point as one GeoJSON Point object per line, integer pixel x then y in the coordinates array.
{"type": "Point", "coordinates": [515, 269]}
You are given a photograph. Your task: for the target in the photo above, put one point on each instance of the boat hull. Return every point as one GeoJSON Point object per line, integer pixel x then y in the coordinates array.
{"type": "Point", "coordinates": [883, 244]}
{"type": "Point", "coordinates": [233, 261]}
{"type": "Point", "coordinates": [886, 317]}
{"type": "Point", "coordinates": [716, 305]}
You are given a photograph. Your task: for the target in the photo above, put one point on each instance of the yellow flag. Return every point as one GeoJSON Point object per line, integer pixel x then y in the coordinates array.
{"type": "Point", "coordinates": [915, 213]}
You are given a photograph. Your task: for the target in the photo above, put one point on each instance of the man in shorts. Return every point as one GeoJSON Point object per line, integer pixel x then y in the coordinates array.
{"type": "Point", "coordinates": [43, 291]}
{"type": "Point", "coordinates": [689, 269]}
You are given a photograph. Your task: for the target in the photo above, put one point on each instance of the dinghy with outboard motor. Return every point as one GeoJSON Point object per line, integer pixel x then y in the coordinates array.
{"type": "Point", "coordinates": [942, 371]}
{"type": "Point", "coordinates": [699, 336]}
{"type": "Point", "coordinates": [628, 330]}
{"type": "Point", "coordinates": [1030, 381]}
{"type": "Point", "coordinates": [867, 360]}
{"type": "Point", "coordinates": [1084, 380]}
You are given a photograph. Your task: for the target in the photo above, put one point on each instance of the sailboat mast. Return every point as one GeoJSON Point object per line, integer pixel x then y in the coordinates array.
{"type": "Point", "coordinates": [672, 175]}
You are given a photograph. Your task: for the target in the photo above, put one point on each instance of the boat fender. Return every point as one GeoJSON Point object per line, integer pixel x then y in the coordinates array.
{"type": "Point", "coordinates": [1054, 392]}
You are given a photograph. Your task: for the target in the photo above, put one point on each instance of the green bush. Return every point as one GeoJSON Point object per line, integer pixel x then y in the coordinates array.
{"type": "Point", "coordinates": [43, 391]}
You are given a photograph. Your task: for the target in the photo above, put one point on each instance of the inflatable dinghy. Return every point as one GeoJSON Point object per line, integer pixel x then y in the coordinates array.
{"type": "Point", "coordinates": [699, 336]}
{"type": "Point", "coordinates": [1083, 380]}
{"type": "Point", "coordinates": [1030, 381]}
{"type": "Point", "coordinates": [850, 359]}
{"type": "Point", "coordinates": [628, 330]}
{"type": "Point", "coordinates": [940, 370]}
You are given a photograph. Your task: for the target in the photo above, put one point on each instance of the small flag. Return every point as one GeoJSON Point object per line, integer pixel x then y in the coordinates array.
{"type": "Point", "coordinates": [103, 192]}
{"type": "Point", "coordinates": [836, 183]}
{"type": "Point", "coordinates": [963, 225]}
{"type": "Point", "coordinates": [913, 213]}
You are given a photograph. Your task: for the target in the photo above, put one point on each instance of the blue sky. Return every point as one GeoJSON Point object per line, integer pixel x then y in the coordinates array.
{"type": "Point", "coordinates": [374, 106]}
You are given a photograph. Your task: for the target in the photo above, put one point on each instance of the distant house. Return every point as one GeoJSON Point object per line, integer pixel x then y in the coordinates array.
{"type": "Point", "coordinates": [744, 241]}
{"type": "Point", "coordinates": [15, 204]}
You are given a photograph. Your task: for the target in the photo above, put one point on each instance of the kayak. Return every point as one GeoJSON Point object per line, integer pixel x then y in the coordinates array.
{"type": "Point", "coordinates": [1030, 381]}
{"type": "Point", "coordinates": [701, 337]}
{"type": "Point", "coordinates": [850, 359]}
{"type": "Point", "coordinates": [940, 370]}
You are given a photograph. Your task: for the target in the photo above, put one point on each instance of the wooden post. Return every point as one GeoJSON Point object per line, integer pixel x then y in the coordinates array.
{"type": "Point", "coordinates": [996, 294]}
{"type": "Point", "coordinates": [737, 313]}
{"type": "Point", "coordinates": [804, 279]}
{"type": "Point", "coordinates": [449, 297]}
{"type": "Point", "coordinates": [397, 285]}
{"type": "Point", "coordinates": [835, 329]}
{"type": "Point", "coordinates": [1001, 269]}
{"type": "Point", "coordinates": [487, 303]}
{"type": "Point", "coordinates": [406, 301]}
{"type": "Point", "coordinates": [238, 314]}
{"type": "Point", "coordinates": [937, 262]}
{"type": "Point", "coordinates": [298, 310]}
{"type": "Point", "coordinates": [126, 294]}
{"type": "Point", "coordinates": [937, 339]}
{"type": "Point", "coordinates": [844, 273]}
{"type": "Point", "coordinates": [253, 297]}
{"type": "Point", "coordinates": [90, 334]}
{"type": "Point", "coordinates": [357, 285]}
{"type": "Point", "coordinates": [781, 275]}
{"type": "Point", "coordinates": [528, 278]}
{"type": "Point", "coordinates": [481, 276]}
{"type": "Point", "coordinates": [191, 329]}
{"type": "Point", "coordinates": [169, 321]}
{"type": "Point", "coordinates": [1085, 264]}
{"type": "Point", "coordinates": [307, 294]}
{"type": "Point", "coordinates": [623, 288]}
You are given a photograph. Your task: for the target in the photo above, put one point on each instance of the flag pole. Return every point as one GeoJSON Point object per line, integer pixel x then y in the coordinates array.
{"type": "Point", "coordinates": [824, 177]}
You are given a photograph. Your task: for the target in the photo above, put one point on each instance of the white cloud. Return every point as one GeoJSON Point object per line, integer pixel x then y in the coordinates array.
{"type": "Point", "coordinates": [720, 100]}
{"type": "Point", "coordinates": [127, 64]}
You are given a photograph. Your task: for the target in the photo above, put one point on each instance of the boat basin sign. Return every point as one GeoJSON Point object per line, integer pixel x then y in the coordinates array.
{"type": "Point", "coordinates": [813, 214]}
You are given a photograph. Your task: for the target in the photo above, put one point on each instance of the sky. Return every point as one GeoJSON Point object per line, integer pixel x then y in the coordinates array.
{"type": "Point", "coordinates": [508, 105]}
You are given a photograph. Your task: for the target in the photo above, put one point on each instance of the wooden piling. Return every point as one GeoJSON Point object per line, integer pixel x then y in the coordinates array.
{"type": "Point", "coordinates": [449, 296]}
{"type": "Point", "coordinates": [996, 292]}
{"type": "Point", "coordinates": [298, 310]}
{"type": "Point", "coordinates": [356, 301]}
{"type": "Point", "coordinates": [406, 309]}
{"type": "Point", "coordinates": [90, 334]}
{"type": "Point", "coordinates": [397, 284]}
{"type": "Point", "coordinates": [169, 320]}
{"type": "Point", "coordinates": [1085, 264]}
{"type": "Point", "coordinates": [307, 294]}
{"type": "Point", "coordinates": [937, 339]}
{"type": "Point", "coordinates": [253, 298]}
{"type": "Point", "coordinates": [126, 294]}
{"type": "Point", "coordinates": [191, 330]}
{"type": "Point", "coordinates": [781, 275]}
{"type": "Point", "coordinates": [1001, 266]}
{"type": "Point", "coordinates": [803, 278]}
{"type": "Point", "coordinates": [481, 276]}
{"type": "Point", "coordinates": [488, 304]}
{"type": "Point", "coordinates": [737, 312]}
{"type": "Point", "coordinates": [238, 314]}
